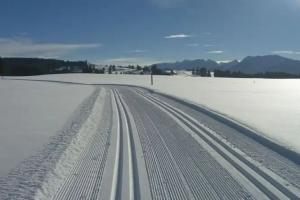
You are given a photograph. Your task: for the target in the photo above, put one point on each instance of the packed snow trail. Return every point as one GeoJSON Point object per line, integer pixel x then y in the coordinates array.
{"type": "Point", "coordinates": [269, 183]}
{"type": "Point", "coordinates": [135, 144]}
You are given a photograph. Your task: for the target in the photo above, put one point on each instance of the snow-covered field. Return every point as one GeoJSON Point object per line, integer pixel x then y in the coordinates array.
{"type": "Point", "coordinates": [63, 138]}
{"type": "Point", "coordinates": [31, 113]}
{"type": "Point", "coordinates": [270, 106]}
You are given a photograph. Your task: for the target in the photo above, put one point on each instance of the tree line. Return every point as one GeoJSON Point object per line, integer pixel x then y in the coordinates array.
{"type": "Point", "coordinates": [278, 75]}
{"type": "Point", "coordinates": [38, 66]}
{"type": "Point", "coordinates": [201, 72]}
{"type": "Point", "coordinates": [232, 74]}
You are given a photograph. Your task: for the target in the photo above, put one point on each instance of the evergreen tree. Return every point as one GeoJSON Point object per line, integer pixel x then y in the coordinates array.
{"type": "Point", "coordinates": [203, 72]}
{"type": "Point", "coordinates": [1, 67]}
{"type": "Point", "coordinates": [197, 71]}
{"type": "Point", "coordinates": [146, 69]}
{"type": "Point", "coordinates": [172, 72]}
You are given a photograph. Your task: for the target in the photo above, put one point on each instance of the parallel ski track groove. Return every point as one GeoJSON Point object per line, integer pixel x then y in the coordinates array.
{"type": "Point", "coordinates": [132, 173]}
{"type": "Point", "coordinates": [158, 186]}
{"type": "Point", "coordinates": [118, 194]}
{"type": "Point", "coordinates": [201, 185]}
{"type": "Point", "coordinates": [116, 173]}
{"type": "Point", "coordinates": [249, 164]}
{"type": "Point", "coordinates": [202, 194]}
{"type": "Point", "coordinates": [132, 146]}
{"type": "Point", "coordinates": [274, 161]}
{"type": "Point", "coordinates": [209, 181]}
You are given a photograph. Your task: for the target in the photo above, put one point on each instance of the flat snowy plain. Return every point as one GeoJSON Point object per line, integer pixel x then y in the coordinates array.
{"type": "Point", "coordinates": [32, 112]}
{"type": "Point", "coordinates": [270, 106]}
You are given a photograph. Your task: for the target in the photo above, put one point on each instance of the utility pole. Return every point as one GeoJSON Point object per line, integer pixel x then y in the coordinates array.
{"type": "Point", "coordinates": [151, 75]}
{"type": "Point", "coordinates": [1, 68]}
{"type": "Point", "coordinates": [151, 79]}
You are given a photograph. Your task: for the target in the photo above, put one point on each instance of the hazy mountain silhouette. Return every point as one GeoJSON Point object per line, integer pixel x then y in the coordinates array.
{"type": "Point", "coordinates": [270, 63]}
{"type": "Point", "coordinates": [189, 64]}
{"type": "Point", "coordinates": [250, 65]}
{"type": "Point", "coordinates": [228, 65]}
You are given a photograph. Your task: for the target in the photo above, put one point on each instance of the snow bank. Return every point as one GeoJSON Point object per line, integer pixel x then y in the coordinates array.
{"type": "Point", "coordinates": [270, 106]}
{"type": "Point", "coordinates": [30, 113]}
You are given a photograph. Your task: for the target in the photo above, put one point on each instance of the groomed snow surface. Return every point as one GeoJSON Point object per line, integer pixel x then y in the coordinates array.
{"type": "Point", "coordinates": [62, 140]}
{"type": "Point", "coordinates": [270, 106]}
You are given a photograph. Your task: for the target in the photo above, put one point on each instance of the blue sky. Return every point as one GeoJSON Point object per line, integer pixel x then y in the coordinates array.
{"type": "Point", "coordinates": [149, 31]}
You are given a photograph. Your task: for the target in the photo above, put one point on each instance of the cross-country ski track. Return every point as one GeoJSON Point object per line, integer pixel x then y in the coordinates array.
{"type": "Point", "coordinates": [139, 144]}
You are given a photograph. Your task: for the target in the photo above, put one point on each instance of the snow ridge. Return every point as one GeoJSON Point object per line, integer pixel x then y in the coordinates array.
{"type": "Point", "coordinates": [85, 158]}
{"type": "Point", "coordinates": [29, 177]}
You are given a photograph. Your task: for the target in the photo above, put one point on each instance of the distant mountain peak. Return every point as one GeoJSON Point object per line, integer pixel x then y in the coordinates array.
{"type": "Point", "coordinates": [250, 64]}
{"type": "Point", "coordinates": [267, 63]}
